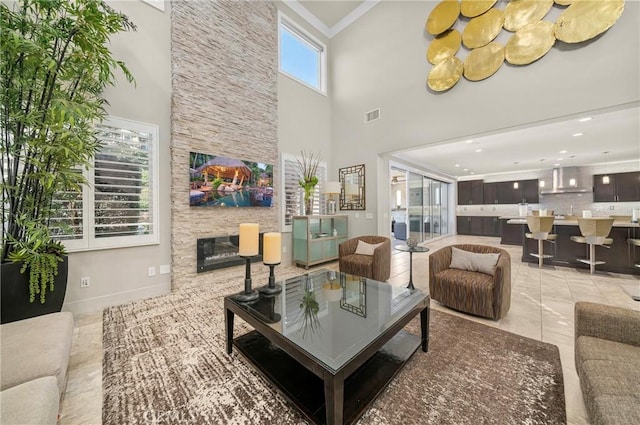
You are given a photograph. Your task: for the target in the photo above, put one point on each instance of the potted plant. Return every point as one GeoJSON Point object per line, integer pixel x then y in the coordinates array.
{"type": "Point", "coordinates": [307, 168]}
{"type": "Point", "coordinates": [54, 67]}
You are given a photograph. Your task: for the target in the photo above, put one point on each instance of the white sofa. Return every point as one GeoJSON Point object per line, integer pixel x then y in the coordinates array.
{"type": "Point", "coordinates": [33, 364]}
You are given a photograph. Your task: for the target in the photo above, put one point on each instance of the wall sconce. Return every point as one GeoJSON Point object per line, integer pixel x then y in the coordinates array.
{"type": "Point", "coordinates": [515, 185]}
{"type": "Point", "coordinates": [605, 178]}
{"type": "Point", "coordinates": [572, 182]}
{"type": "Point", "coordinates": [541, 183]}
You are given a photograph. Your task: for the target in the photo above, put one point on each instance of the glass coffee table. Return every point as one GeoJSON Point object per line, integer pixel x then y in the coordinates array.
{"type": "Point", "coordinates": [330, 342]}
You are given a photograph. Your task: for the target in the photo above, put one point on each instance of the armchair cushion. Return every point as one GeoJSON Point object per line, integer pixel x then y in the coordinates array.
{"type": "Point", "coordinates": [466, 260]}
{"type": "Point", "coordinates": [364, 248]}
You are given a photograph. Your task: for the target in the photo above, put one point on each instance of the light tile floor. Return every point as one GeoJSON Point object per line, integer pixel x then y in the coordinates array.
{"type": "Point", "coordinates": [541, 308]}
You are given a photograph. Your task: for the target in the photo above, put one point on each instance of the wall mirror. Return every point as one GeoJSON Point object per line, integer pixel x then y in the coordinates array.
{"type": "Point", "coordinates": [352, 189]}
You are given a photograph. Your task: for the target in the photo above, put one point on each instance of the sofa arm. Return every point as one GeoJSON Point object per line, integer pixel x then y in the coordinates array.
{"type": "Point", "coordinates": [347, 247]}
{"type": "Point", "coordinates": [502, 285]}
{"type": "Point", "coordinates": [607, 322]}
{"type": "Point", "coordinates": [438, 261]}
{"type": "Point", "coordinates": [382, 261]}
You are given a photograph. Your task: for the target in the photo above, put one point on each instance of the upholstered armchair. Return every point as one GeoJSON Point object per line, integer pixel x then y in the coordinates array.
{"type": "Point", "coordinates": [376, 266]}
{"type": "Point", "coordinates": [472, 292]}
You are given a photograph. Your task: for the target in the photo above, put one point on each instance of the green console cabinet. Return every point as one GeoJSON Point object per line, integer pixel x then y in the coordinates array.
{"type": "Point", "coordinates": [316, 238]}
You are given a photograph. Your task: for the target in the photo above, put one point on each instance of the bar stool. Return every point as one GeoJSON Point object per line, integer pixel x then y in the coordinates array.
{"type": "Point", "coordinates": [635, 242]}
{"type": "Point", "coordinates": [540, 226]}
{"type": "Point", "coordinates": [594, 232]}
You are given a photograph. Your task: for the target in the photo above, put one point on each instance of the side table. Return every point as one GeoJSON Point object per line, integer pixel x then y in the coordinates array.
{"type": "Point", "coordinates": [411, 250]}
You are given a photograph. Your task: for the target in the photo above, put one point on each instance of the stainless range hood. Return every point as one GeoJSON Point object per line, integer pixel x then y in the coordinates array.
{"type": "Point", "coordinates": [568, 180]}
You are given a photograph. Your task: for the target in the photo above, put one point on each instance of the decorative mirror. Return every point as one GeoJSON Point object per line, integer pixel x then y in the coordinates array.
{"type": "Point", "coordinates": [352, 189]}
{"type": "Point", "coordinates": [354, 294]}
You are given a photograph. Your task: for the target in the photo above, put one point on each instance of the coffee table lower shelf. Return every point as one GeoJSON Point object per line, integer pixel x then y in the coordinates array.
{"type": "Point", "coordinates": [306, 390]}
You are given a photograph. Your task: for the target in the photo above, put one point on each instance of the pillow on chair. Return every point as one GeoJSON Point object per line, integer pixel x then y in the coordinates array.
{"type": "Point", "coordinates": [366, 248]}
{"type": "Point", "coordinates": [465, 260]}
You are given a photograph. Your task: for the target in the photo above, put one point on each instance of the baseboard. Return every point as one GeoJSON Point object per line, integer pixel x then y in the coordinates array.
{"type": "Point", "coordinates": [97, 304]}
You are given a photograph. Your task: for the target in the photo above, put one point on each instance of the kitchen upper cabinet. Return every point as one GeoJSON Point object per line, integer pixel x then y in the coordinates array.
{"type": "Point", "coordinates": [470, 192]}
{"type": "Point", "coordinates": [622, 187]}
{"type": "Point", "coordinates": [527, 191]}
{"type": "Point", "coordinates": [490, 193]}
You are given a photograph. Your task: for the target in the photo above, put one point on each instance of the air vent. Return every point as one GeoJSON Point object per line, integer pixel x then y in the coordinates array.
{"type": "Point", "coordinates": [372, 115]}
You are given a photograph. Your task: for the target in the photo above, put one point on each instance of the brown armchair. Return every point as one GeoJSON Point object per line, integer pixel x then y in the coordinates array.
{"type": "Point", "coordinates": [376, 266]}
{"type": "Point", "coordinates": [468, 291]}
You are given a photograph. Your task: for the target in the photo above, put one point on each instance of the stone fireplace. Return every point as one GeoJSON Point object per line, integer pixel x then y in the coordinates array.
{"type": "Point", "coordinates": [220, 252]}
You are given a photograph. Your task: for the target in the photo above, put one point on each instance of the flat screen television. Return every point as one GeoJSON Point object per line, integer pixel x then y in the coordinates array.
{"type": "Point", "coordinates": [220, 181]}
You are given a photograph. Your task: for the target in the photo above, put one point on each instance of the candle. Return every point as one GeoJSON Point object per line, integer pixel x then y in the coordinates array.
{"type": "Point", "coordinates": [249, 238]}
{"type": "Point", "coordinates": [272, 248]}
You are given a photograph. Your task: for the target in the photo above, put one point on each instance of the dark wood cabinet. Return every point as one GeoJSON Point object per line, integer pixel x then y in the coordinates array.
{"type": "Point", "coordinates": [490, 226]}
{"type": "Point", "coordinates": [463, 225]}
{"type": "Point", "coordinates": [478, 226]}
{"type": "Point", "coordinates": [511, 234]}
{"type": "Point", "coordinates": [622, 187]}
{"type": "Point", "coordinates": [530, 192]}
{"type": "Point", "coordinates": [490, 193]}
{"type": "Point", "coordinates": [507, 194]}
{"type": "Point", "coordinates": [470, 192]}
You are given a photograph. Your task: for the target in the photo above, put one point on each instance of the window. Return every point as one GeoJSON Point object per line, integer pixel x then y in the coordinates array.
{"type": "Point", "coordinates": [293, 200]}
{"type": "Point", "coordinates": [119, 206]}
{"type": "Point", "coordinates": [302, 57]}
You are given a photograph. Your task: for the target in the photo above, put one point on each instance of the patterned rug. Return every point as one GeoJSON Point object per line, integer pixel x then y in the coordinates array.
{"type": "Point", "coordinates": [165, 363]}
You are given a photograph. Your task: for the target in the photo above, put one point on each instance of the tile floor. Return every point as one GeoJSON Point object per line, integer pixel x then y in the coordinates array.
{"type": "Point", "coordinates": [541, 308]}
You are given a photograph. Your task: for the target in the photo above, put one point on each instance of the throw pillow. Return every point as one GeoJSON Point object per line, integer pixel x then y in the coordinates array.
{"type": "Point", "coordinates": [472, 261]}
{"type": "Point", "coordinates": [364, 248]}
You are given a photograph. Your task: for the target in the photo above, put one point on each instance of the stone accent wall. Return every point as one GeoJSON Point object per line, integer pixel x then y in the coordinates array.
{"type": "Point", "coordinates": [224, 102]}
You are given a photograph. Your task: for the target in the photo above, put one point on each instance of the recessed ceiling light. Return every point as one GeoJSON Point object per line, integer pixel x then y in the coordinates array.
{"type": "Point", "coordinates": [585, 119]}
{"type": "Point", "coordinates": [516, 162]}
{"type": "Point", "coordinates": [563, 152]}
{"type": "Point", "coordinates": [560, 159]}
{"type": "Point", "coordinates": [457, 165]}
{"type": "Point", "coordinates": [478, 150]}
{"type": "Point", "coordinates": [465, 169]}
{"type": "Point", "coordinates": [577, 134]}
{"type": "Point", "coordinates": [469, 142]}
{"type": "Point", "coordinates": [556, 165]}
{"type": "Point", "coordinates": [472, 172]}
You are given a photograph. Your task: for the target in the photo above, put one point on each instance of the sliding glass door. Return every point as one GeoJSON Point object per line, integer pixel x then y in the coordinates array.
{"type": "Point", "coordinates": [427, 207]}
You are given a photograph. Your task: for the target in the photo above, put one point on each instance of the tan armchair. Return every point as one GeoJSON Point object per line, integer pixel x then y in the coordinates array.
{"type": "Point", "coordinates": [471, 292]}
{"type": "Point", "coordinates": [376, 266]}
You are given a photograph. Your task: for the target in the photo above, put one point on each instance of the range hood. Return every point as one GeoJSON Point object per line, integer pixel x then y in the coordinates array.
{"type": "Point", "coordinates": [568, 180]}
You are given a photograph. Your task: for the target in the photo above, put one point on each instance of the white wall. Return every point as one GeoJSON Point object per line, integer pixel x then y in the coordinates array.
{"type": "Point", "coordinates": [304, 119]}
{"type": "Point", "coordinates": [120, 275]}
{"type": "Point", "coordinates": [380, 62]}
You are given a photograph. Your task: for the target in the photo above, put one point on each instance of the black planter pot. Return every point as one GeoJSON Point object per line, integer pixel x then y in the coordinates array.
{"type": "Point", "coordinates": [14, 293]}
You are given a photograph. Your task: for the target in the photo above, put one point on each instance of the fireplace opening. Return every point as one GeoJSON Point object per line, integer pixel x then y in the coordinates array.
{"type": "Point", "coordinates": [221, 251]}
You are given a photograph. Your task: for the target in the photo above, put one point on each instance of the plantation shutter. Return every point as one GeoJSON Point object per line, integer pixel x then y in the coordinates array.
{"type": "Point", "coordinates": [122, 195]}
{"type": "Point", "coordinates": [68, 220]}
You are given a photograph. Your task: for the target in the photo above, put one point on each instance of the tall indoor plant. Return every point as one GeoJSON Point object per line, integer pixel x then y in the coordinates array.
{"type": "Point", "coordinates": [54, 67]}
{"type": "Point", "coordinates": [308, 167]}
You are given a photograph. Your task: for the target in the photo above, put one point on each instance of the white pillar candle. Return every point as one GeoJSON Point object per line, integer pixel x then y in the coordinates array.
{"type": "Point", "coordinates": [249, 239]}
{"type": "Point", "coordinates": [272, 248]}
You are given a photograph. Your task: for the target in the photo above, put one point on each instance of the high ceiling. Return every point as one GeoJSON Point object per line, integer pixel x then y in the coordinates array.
{"type": "Point", "coordinates": [540, 147]}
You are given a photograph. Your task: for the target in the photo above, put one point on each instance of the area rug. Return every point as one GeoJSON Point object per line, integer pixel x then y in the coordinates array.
{"type": "Point", "coordinates": [165, 363]}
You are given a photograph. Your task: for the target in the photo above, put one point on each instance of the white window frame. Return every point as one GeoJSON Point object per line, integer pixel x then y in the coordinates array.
{"type": "Point", "coordinates": [89, 242]}
{"type": "Point", "coordinates": [313, 42]}
{"type": "Point", "coordinates": [289, 162]}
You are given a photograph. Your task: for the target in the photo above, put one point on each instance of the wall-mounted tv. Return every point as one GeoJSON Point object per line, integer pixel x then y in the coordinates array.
{"type": "Point", "coordinates": [220, 181]}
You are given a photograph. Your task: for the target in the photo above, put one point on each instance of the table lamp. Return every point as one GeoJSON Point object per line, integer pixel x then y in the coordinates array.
{"type": "Point", "coordinates": [331, 188]}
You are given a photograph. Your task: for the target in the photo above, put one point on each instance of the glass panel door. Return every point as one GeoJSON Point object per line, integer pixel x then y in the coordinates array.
{"type": "Point", "coordinates": [415, 209]}
{"type": "Point", "coordinates": [427, 207]}
{"type": "Point", "coordinates": [436, 219]}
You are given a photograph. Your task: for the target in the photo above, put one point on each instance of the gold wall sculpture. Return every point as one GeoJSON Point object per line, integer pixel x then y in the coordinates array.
{"type": "Point", "coordinates": [532, 37]}
{"type": "Point", "coordinates": [481, 30]}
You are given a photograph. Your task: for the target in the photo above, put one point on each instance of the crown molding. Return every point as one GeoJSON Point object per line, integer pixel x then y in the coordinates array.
{"type": "Point", "coordinates": [298, 7]}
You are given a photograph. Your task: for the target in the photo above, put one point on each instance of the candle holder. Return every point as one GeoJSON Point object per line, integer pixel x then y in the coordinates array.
{"type": "Point", "coordinates": [248, 295]}
{"type": "Point", "coordinates": [272, 288]}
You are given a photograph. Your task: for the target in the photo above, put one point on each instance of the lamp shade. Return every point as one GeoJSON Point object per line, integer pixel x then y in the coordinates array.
{"type": "Point", "coordinates": [332, 187]}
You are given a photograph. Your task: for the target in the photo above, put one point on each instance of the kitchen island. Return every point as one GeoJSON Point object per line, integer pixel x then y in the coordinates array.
{"type": "Point", "coordinates": [619, 257]}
